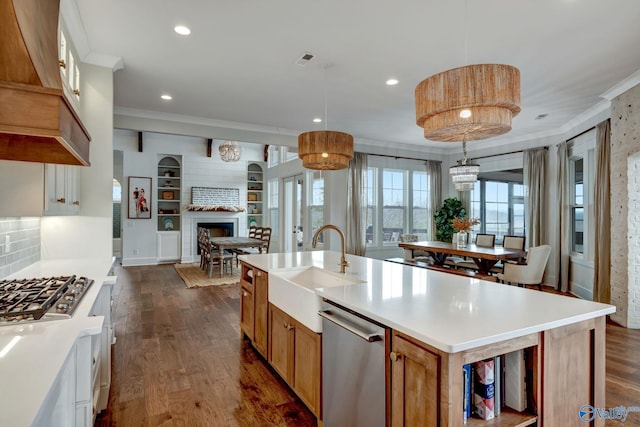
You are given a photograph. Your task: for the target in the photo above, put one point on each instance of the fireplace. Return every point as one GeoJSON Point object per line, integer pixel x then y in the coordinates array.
{"type": "Point", "coordinates": [216, 229]}
{"type": "Point", "coordinates": [219, 229]}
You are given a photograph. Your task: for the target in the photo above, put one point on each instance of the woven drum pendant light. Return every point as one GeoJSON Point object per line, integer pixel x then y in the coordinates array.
{"type": "Point", "coordinates": [471, 102]}
{"type": "Point", "coordinates": [325, 149]}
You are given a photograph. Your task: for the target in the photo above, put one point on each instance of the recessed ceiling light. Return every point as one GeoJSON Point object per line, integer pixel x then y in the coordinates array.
{"type": "Point", "coordinates": [182, 30]}
{"type": "Point", "coordinates": [317, 120]}
{"type": "Point", "coordinates": [392, 82]}
{"type": "Point", "coordinates": [166, 97]}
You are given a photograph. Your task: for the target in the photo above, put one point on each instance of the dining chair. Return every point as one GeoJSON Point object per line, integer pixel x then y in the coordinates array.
{"type": "Point", "coordinates": [482, 240]}
{"type": "Point", "coordinates": [510, 242]}
{"type": "Point", "coordinates": [210, 257]}
{"type": "Point", "coordinates": [262, 233]}
{"type": "Point", "coordinates": [452, 261]}
{"type": "Point", "coordinates": [415, 254]}
{"type": "Point", "coordinates": [486, 240]}
{"type": "Point", "coordinates": [530, 273]}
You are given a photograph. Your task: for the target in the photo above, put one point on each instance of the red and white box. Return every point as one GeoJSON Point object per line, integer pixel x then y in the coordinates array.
{"type": "Point", "coordinates": [483, 389]}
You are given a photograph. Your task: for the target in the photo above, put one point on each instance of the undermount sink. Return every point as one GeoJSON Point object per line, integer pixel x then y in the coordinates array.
{"type": "Point", "coordinates": [292, 291]}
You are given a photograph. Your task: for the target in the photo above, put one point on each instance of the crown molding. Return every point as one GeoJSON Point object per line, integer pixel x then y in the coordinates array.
{"type": "Point", "coordinates": [73, 21]}
{"type": "Point", "coordinates": [623, 86]}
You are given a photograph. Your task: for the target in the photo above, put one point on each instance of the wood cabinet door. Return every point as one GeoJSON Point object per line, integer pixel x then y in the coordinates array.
{"type": "Point", "coordinates": [261, 313]}
{"type": "Point", "coordinates": [307, 367]}
{"type": "Point", "coordinates": [246, 312]}
{"type": "Point", "coordinates": [414, 385]}
{"type": "Point", "coordinates": [281, 343]}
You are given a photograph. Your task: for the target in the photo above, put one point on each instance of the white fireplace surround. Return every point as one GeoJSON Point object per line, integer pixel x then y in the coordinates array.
{"type": "Point", "coordinates": [189, 241]}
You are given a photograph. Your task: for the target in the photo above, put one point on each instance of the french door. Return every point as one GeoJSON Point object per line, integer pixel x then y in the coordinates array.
{"type": "Point", "coordinates": [293, 213]}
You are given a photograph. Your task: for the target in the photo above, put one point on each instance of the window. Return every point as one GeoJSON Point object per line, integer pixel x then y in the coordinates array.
{"type": "Point", "coordinates": [398, 201]}
{"type": "Point", "coordinates": [394, 204]}
{"type": "Point", "coordinates": [274, 155]}
{"type": "Point", "coordinates": [290, 153]}
{"type": "Point", "coordinates": [577, 205]}
{"type": "Point", "coordinates": [500, 207]}
{"type": "Point", "coordinates": [421, 217]}
{"type": "Point", "coordinates": [581, 171]}
{"type": "Point", "coordinates": [372, 197]}
{"type": "Point", "coordinates": [316, 205]}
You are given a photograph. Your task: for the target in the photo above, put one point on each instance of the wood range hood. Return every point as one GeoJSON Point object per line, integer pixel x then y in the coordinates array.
{"type": "Point", "coordinates": [37, 122]}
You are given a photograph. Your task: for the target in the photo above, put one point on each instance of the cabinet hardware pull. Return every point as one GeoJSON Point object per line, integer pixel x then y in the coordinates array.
{"type": "Point", "coordinates": [76, 92]}
{"type": "Point", "coordinates": [62, 64]}
{"type": "Point", "coordinates": [61, 200]}
{"type": "Point", "coordinates": [259, 274]}
{"type": "Point", "coordinates": [244, 294]}
{"type": "Point", "coordinates": [76, 202]}
{"type": "Point", "coordinates": [395, 356]}
{"type": "Point", "coordinates": [289, 327]}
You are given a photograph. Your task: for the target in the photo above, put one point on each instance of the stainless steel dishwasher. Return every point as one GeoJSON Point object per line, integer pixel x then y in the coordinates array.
{"type": "Point", "coordinates": [354, 367]}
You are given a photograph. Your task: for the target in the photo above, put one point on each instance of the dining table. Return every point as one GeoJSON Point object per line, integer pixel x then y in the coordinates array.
{"type": "Point", "coordinates": [484, 257]}
{"type": "Point", "coordinates": [230, 242]}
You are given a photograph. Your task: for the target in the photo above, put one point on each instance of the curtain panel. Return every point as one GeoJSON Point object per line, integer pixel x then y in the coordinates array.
{"type": "Point", "coordinates": [534, 173]}
{"type": "Point", "coordinates": [434, 172]}
{"type": "Point", "coordinates": [602, 214]}
{"type": "Point", "coordinates": [357, 205]}
{"type": "Point", "coordinates": [563, 225]}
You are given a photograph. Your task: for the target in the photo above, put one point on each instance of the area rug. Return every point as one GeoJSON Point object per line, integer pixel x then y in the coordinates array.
{"type": "Point", "coordinates": [194, 277]}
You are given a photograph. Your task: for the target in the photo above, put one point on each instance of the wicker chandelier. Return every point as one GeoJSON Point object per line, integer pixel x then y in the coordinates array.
{"type": "Point", "coordinates": [325, 149]}
{"type": "Point", "coordinates": [230, 151]}
{"type": "Point", "coordinates": [471, 102]}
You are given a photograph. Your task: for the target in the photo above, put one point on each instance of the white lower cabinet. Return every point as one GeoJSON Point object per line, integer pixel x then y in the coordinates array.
{"type": "Point", "coordinates": [168, 245]}
{"type": "Point", "coordinates": [101, 348]}
{"type": "Point", "coordinates": [69, 402]}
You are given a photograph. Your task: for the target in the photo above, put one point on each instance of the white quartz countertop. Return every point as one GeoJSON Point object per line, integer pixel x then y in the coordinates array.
{"type": "Point", "coordinates": [449, 312]}
{"type": "Point", "coordinates": [29, 368]}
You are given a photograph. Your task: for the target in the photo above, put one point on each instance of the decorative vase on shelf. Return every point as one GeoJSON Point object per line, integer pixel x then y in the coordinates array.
{"type": "Point", "coordinates": [461, 239]}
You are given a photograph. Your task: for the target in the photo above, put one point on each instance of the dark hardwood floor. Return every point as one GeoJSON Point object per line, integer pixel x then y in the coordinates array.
{"type": "Point", "coordinates": [179, 361]}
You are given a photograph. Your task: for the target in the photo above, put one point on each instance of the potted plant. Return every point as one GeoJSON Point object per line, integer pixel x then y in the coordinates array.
{"type": "Point", "coordinates": [450, 209]}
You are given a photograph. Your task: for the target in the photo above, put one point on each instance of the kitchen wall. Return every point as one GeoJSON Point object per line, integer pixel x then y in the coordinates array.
{"type": "Point", "coordinates": [85, 235]}
{"type": "Point", "coordinates": [24, 247]}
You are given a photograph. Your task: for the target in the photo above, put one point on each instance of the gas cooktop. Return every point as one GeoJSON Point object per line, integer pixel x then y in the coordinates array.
{"type": "Point", "coordinates": [30, 300]}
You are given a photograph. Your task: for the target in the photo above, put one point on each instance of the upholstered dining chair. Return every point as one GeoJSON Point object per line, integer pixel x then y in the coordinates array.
{"type": "Point", "coordinates": [530, 273]}
{"type": "Point", "coordinates": [485, 240]}
{"type": "Point", "coordinates": [510, 242]}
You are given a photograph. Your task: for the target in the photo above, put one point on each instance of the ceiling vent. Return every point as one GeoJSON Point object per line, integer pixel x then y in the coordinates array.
{"type": "Point", "coordinates": [306, 58]}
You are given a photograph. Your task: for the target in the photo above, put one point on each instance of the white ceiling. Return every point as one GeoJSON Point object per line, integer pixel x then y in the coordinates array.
{"type": "Point", "coordinates": [239, 63]}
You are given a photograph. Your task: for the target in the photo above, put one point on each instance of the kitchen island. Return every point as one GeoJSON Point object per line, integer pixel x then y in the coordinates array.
{"type": "Point", "coordinates": [48, 368]}
{"type": "Point", "coordinates": [441, 322]}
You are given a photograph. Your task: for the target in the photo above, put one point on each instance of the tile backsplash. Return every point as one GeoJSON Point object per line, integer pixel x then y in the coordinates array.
{"type": "Point", "coordinates": [24, 244]}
